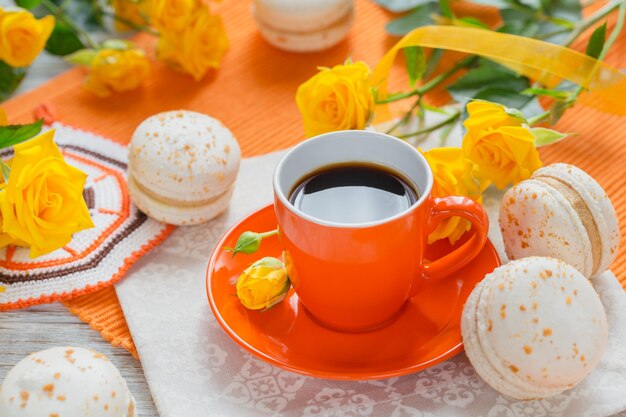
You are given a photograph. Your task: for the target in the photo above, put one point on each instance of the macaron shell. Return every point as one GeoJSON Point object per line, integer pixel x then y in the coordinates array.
{"type": "Point", "coordinates": [68, 382]}
{"type": "Point", "coordinates": [176, 214]}
{"type": "Point", "coordinates": [548, 326]}
{"type": "Point", "coordinates": [598, 203]}
{"type": "Point", "coordinates": [536, 220]}
{"type": "Point", "coordinates": [307, 41]}
{"type": "Point", "coordinates": [299, 16]}
{"type": "Point", "coordinates": [470, 329]}
{"type": "Point", "coordinates": [184, 155]}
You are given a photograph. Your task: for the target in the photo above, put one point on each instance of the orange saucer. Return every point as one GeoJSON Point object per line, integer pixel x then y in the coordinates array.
{"type": "Point", "coordinates": [425, 332]}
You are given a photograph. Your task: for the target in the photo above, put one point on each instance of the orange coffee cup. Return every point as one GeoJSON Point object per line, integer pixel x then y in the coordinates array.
{"type": "Point", "coordinates": [356, 277]}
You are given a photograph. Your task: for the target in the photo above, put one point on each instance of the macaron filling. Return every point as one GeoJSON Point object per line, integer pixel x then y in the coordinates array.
{"type": "Point", "coordinates": [582, 210]}
{"type": "Point", "coordinates": [173, 202]}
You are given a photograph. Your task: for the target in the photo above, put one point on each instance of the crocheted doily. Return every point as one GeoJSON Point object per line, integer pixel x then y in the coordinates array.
{"type": "Point", "coordinates": [96, 257]}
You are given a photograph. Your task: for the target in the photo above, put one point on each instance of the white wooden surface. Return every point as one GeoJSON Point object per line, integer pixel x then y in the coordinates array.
{"type": "Point", "coordinates": [26, 331]}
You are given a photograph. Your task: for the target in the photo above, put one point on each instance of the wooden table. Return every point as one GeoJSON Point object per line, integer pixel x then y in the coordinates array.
{"type": "Point", "coordinates": [25, 331]}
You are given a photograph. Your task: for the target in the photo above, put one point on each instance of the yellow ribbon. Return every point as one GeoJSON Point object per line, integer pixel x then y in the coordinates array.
{"type": "Point", "coordinates": [537, 60]}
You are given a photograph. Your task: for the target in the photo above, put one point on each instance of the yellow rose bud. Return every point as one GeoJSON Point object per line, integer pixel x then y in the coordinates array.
{"type": "Point", "coordinates": [22, 36]}
{"type": "Point", "coordinates": [199, 47]}
{"type": "Point", "coordinates": [42, 204]}
{"type": "Point", "coordinates": [500, 144]}
{"type": "Point", "coordinates": [117, 70]}
{"type": "Point", "coordinates": [134, 11]}
{"type": "Point", "coordinates": [337, 98]}
{"type": "Point", "coordinates": [263, 284]}
{"type": "Point", "coordinates": [3, 117]}
{"type": "Point", "coordinates": [453, 175]}
{"type": "Point", "coordinates": [170, 16]}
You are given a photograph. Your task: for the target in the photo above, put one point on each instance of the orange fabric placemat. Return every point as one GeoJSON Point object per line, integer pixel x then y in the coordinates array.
{"type": "Point", "coordinates": [253, 94]}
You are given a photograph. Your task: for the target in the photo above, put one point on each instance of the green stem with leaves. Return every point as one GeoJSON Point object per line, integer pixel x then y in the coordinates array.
{"type": "Point", "coordinates": [434, 82]}
{"type": "Point", "coordinates": [542, 117]}
{"type": "Point", "coordinates": [452, 118]}
{"type": "Point", "coordinates": [59, 13]}
{"type": "Point", "coordinates": [590, 21]}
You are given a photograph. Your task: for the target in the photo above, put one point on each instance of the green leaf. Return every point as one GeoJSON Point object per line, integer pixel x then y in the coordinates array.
{"type": "Point", "coordinates": [27, 4]}
{"type": "Point", "coordinates": [81, 57]}
{"type": "Point", "coordinates": [417, 18]}
{"type": "Point", "coordinates": [506, 97]}
{"type": "Point", "coordinates": [87, 14]}
{"type": "Point", "coordinates": [63, 40]}
{"type": "Point", "coordinates": [433, 62]}
{"type": "Point", "coordinates": [516, 113]}
{"type": "Point", "coordinates": [569, 11]}
{"type": "Point", "coordinates": [596, 41]}
{"type": "Point", "coordinates": [533, 4]}
{"type": "Point", "coordinates": [248, 243]}
{"type": "Point", "coordinates": [269, 262]}
{"type": "Point", "coordinates": [415, 63]}
{"type": "Point", "coordinates": [545, 136]}
{"type": "Point", "coordinates": [487, 75]}
{"type": "Point", "coordinates": [13, 134]}
{"type": "Point", "coordinates": [401, 6]}
{"type": "Point", "coordinates": [446, 11]}
{"type": "Point", "coordinates": [518, 24]}
{"type": "Point", "coordinates": [10, 79]}
{"type": "Point", "coordinates": [6, 170]}
{"type": "Point", "coordinates": [472, 21]}
{"type": "Point", "coordinates": [545, 92]}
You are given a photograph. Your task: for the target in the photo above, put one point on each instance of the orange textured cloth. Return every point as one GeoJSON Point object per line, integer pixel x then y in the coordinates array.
{"type": "Point", "coordinates": [253, 94]}
{"type": "Point", "coordinates": [104, 314]}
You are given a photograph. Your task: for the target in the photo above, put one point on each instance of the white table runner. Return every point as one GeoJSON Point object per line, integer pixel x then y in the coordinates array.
{"type": "Point", "coordinates": [195, 370]}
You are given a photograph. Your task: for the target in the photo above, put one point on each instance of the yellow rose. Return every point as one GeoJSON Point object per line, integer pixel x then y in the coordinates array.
{"type": "Point", "coordinates": [263, 284]}
{"type": "Point", "coordinates": [22, 36]}
{"type": "Point", "coordinates": [199, 47]}
{"type": "Point", "coordinates": [117, 70]}
{"type": "Point", "coordinates": [134, 11]}
{"type": "Point", "coordinates": [43, 205]}
{"type": "Point", "coordinates": [3, 117]}
{"type": "Point", "coordinates": [5, 239]}
{"type": "Point", "coordinates": [453, 175]}
{"type": "Point", "coordinates": [170, 16]}
{"type": "Point", "coordinates": [337, 98]}
{"type": "Point", "coordinates": [501, 145]}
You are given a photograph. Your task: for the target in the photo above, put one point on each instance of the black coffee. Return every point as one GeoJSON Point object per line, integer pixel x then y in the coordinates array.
{"type": "Point", "coordinates": [353, 193]}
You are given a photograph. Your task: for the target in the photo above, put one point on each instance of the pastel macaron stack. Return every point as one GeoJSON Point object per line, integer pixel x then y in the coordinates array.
{"type": "Point", "coordinates": [564, 213]}
{"type": "Point", "coordinates": [534, 327]}
{"type": "Point", "coordinates": [65, 381]}
{"type": "Point", "coordinates": [182, 166]}
{"type": "Point", "coordinates": [303, 25]}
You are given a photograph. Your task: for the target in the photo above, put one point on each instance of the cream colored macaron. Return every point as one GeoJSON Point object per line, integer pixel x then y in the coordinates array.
{"type": "Point", "coordinates": [561, 212]}
{"type": "Point", "coordinates": [534, 327]}
{"type": "Point", "coordinates": [65, 382]}
{"type": "Point", "coordinates": [182, 166]}
{"type": "Point", "coordinates": [303, 25]}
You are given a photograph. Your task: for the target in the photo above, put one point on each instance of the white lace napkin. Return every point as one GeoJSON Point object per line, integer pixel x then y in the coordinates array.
{"type": "Point", "coordinates": [195, 370]}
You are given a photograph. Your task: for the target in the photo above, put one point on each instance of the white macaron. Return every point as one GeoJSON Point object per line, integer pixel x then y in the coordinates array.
{"type": "Point", "coordinates": [303, 25]}
{"type": "Point", "coordinates": [182, 166]}
{"type": "Point", "coordinates": [564, 213]}
{"type": "Point", "coordinates": [65, 382]}
{"type": "Point", "coordinates": [533, 328]}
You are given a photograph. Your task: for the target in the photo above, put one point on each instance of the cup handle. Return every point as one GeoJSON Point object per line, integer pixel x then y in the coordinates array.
{"type": "Point", "coordinates": [443, 208]}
